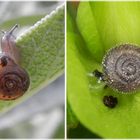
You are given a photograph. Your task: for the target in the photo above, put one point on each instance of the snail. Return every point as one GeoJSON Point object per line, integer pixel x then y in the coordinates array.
{"type": "Point", "coordinates": [14, 80]}
{"type": "Point", "coordinates": [110, 101]}
{"type": "Point", "coordinates": [121, 68]}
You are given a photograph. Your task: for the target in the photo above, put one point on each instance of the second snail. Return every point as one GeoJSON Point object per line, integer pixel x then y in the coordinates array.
{"type": "Point", "coordinates": [121, 71]}
{"type": "Point", "coordinates": [121, 68]}
{"type": "Point", "coordinates": [14, 80]}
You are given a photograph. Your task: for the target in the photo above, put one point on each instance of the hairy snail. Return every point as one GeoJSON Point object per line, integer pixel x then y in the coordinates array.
{"type": "Point", "coordinates": [14, 80]}
{"type": "Point", "coordinates": [121, 68]}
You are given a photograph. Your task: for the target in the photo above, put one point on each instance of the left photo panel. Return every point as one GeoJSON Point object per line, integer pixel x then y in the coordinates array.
{"type": "Point", "coordinates": [32, 63]}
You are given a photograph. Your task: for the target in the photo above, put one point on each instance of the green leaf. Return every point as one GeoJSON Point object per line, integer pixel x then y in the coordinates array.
{"type": "Point", "coordinates": [70, 26]}
{"type": "Point", "coordinates": [42, 53]}
{"type": "Point", "coordinates": [116, 22]}
{"type": "Point", "coordinates": [89, 31]}
{"type": "Point", "coordinates": [80, 132]}
{"type": "Point", "coordinates": [72, 121]}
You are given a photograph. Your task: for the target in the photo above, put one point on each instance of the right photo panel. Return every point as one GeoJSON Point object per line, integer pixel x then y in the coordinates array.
{"type": "Point", "coordinates": [103, 69]}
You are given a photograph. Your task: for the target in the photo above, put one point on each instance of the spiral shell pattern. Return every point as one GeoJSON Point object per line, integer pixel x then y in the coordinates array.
{"type": "Point", "coordinates": [14, 81]}
{"type": "Point", "coordinates": [121, 67]}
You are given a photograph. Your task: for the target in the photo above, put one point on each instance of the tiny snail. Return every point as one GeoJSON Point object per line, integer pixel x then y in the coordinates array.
{"type": "Point", "coordinates": [14, 80]}
{"type": "Point", "coordinates": [110, 101]}
{"type": "Point", "coordinates": [121, 68]}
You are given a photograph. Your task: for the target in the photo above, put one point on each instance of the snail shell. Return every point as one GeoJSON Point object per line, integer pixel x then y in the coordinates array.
{"type": "Point", "coordinates": [14, 80]}
{"type": "Point", "coordinates": [121, 68]}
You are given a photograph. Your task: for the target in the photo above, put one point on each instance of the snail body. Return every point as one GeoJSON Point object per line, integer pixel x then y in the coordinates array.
{"type": "Point", "coordinates": [14, 80]}
{"type": "Point", "coordinates": [121, 68]}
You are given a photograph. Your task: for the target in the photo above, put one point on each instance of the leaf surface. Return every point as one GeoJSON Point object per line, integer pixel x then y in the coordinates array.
{"type": "Point", "coordinates": [42, 53]}
{"type": "Point", "coordinates": [108, 24]}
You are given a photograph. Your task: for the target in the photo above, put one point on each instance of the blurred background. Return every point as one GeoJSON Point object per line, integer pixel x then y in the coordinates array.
{"type": "Point", "coordinates": [42, 115]}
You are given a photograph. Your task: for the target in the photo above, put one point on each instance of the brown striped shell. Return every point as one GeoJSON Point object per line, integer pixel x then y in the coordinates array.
{"type": "Point", "coordinates": [14, 80]}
